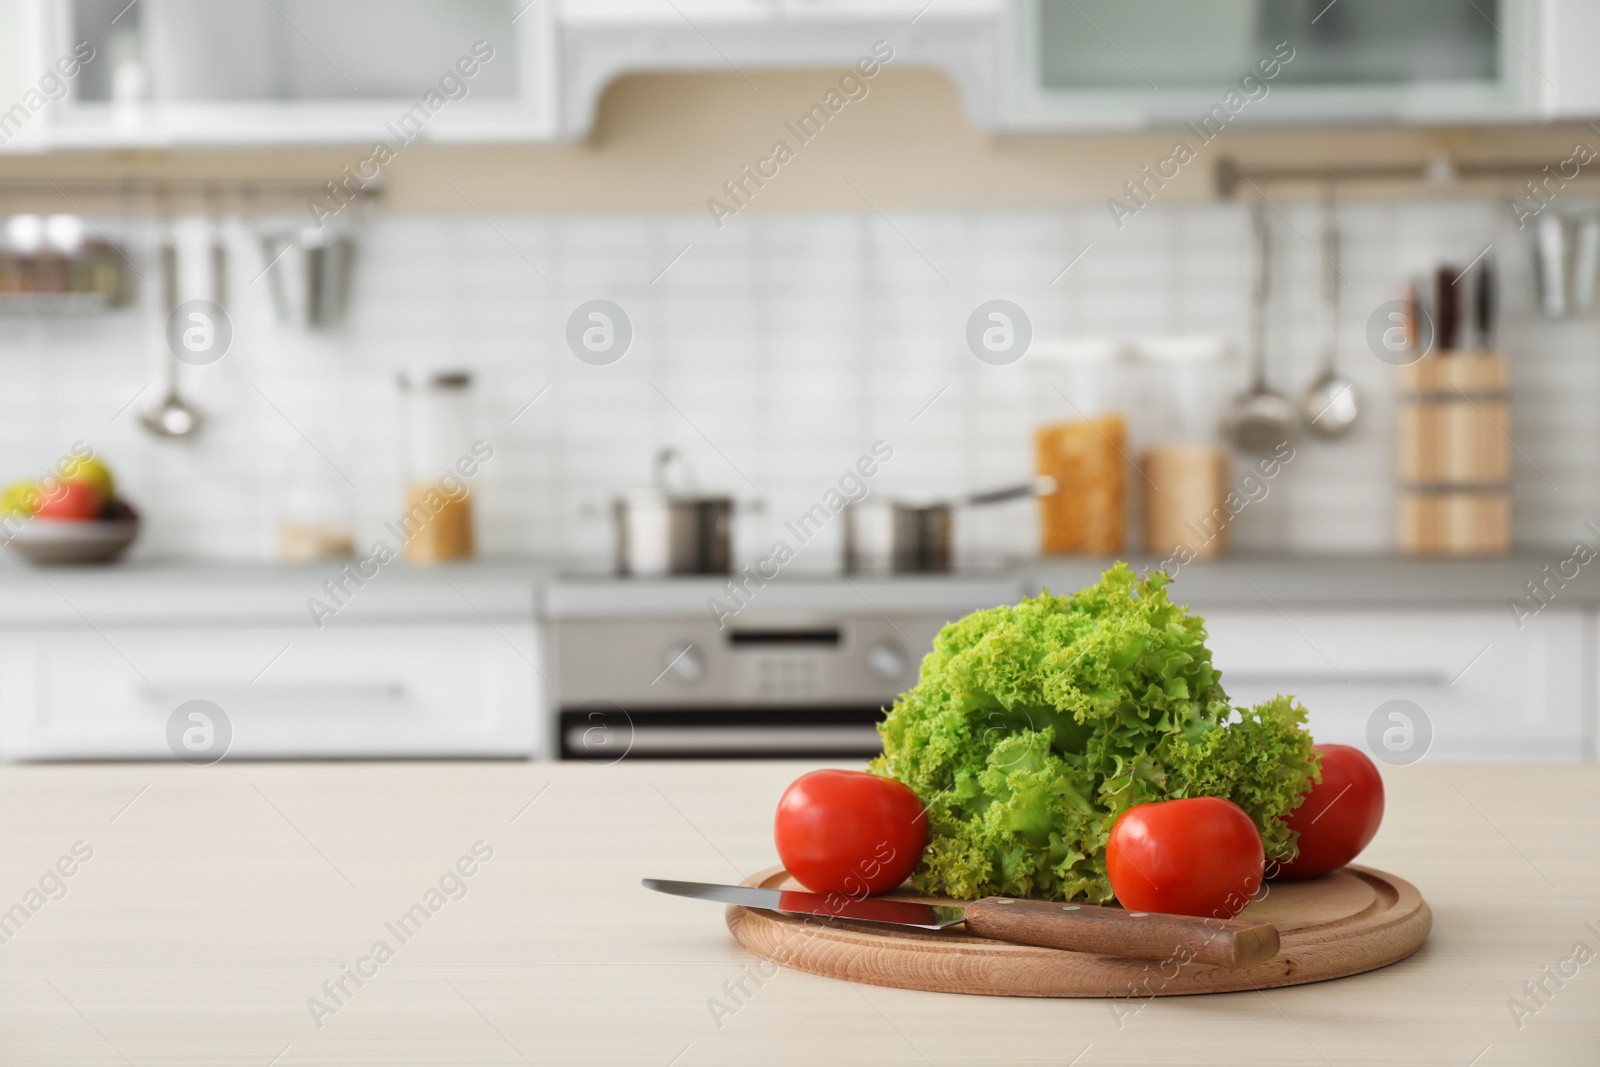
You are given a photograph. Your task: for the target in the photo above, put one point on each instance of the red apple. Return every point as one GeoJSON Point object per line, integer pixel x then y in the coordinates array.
{"type": "Point", "coordinates": [74, 501]}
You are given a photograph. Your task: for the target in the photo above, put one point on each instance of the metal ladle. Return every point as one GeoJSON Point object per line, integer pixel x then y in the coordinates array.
{"type": "Point", "coordinates": [172, 416]}
{"type": "Point", "coordinates": [1261, 419]}
{"type": "Point", "coordinates": [1330, 407]}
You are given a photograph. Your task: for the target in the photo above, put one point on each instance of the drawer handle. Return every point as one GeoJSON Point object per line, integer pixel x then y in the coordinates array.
{"type": "Point", "coordinates": [173, 695]}
{"type": "Point", "coordinates": [1292, 681]}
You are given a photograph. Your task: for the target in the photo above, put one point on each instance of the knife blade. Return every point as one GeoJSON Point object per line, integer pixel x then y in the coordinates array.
{"type": "Point", "coordinates": [1041, 923]}
{"type": "Point", "coordinates": [864, 909]}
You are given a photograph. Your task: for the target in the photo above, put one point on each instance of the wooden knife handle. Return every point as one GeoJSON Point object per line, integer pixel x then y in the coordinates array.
{"type": "Point", "coordinates": [1136, 935]}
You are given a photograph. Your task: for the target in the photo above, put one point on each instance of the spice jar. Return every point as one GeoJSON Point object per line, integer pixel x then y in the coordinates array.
{"type": "Point", "coordinates": [438, 425]}
{"type": "Point", "coordinates": [1183, 463]}
{"type": "Point", "coordinates": [1078, 390]}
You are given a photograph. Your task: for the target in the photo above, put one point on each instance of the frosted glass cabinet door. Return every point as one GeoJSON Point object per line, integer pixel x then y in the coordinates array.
{"type": "Point", "coordinates": [274, 71]}
{"type": "Point", "coordinates": [13, 74]}
{"type": "Point", "coordinates": [1140, 62]}
{"type": "Point", "coordinates": [1089, 44]}
{"type": "Point", "coordinates": [251, 50]}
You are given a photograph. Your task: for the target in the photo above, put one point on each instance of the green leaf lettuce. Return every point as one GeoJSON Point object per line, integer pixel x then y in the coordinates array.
{"type": "Point", "coordinates": [1033, 727]}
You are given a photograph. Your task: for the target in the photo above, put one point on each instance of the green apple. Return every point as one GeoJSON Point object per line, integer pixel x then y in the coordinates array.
{"type": "Point", "coordinates": [20, 498]}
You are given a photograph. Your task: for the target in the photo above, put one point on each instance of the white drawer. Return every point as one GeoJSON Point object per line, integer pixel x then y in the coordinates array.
{"type": "Point", "coordinates": [1490, 691]}
{"type": "Point", "coordinates": [352, 692]}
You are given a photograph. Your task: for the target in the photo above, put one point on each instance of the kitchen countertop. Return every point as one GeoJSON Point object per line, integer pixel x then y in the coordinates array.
{"type": "Point", "coordinates": [218, 900]}
{"type": "Point", "coordinates": [510, 587]}
{"type": "Point", "coordinates": [209, 592]}
{"type": "Point", "coordinates": [1342, 581]}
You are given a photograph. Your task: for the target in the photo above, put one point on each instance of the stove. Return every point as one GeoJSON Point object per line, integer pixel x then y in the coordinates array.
{"type": "Point", "coordinates": [804, 668]}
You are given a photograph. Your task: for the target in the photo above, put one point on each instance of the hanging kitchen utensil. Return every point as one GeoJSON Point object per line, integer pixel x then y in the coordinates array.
{"type": "Point", "coordinates": [1330, 407]}
{"type": "Point", "coordinates": [172, 416]}
{"type": "Point", "coordinates": [219, 265]}
{"type": "Point", "coordinates": [1566, 261]}
{"type": "Point", "coordinates": [1586, 262]}
{"type": "Point", "coordinates": [310, 274]}
{"type": "Point", "coordinates": [1552, 263]}
{"type": "Point", "coordinates": [1260, 419]}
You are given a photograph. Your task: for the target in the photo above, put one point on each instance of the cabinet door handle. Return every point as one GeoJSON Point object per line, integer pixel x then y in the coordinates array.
{"type": "Point", "coordinates": [171, 695]}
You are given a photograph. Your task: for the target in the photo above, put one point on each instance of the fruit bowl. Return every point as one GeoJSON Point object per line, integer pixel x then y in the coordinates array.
{"type": "Point", "coordinates": [65, 542]}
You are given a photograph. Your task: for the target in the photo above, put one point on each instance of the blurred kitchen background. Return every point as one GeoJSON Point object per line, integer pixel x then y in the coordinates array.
{"type": "Point", "coordinates": [1415, 187]}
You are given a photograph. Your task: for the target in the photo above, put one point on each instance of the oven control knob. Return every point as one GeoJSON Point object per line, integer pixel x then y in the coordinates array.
{"type": "Point", "coordinates": [683, 662]}
{"type": "Point", "coordinates": [887, 661]}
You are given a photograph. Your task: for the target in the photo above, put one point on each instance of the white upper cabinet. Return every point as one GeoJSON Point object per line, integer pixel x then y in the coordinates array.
{"type": "Point", "coordinates": [1126, 64]}
{"type": "Point", "coordinates": [602, 40]}
{"type": "Point", "coordinates": [1569, 77]}
{"type": "Point", "coordinates": [173, 72]}
{"type": "Point", "coordinates": [590, 12]}
{"type": "Point", "coordinates": [639, 12]}
{"type": "Point", "coordinates": [896, 9]}
{"type": "Point", "coordinates": [107, 73]}
{"type": "Point", "coordinates": [177, 72]}
{"type": "Point", "coordinates": [28, 90]}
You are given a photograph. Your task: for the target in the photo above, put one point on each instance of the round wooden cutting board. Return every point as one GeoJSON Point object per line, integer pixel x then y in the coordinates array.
{"type": "Point", "coordinates": [1353, 920]}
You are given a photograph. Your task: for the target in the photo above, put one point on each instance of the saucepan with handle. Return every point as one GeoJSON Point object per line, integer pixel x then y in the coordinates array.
{"type": "Point", "coordinates": [887, 536]}
{"type": "Point", "coordinates": [671, 528]}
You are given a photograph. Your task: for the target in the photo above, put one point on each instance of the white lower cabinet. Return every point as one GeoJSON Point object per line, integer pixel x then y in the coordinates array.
{"type": "Point", "coordinates": [368, 691]}
{"type": "Point", "coordinates": [1485, 690]}
{"type": "Point", "coordinates": [1476, 687]}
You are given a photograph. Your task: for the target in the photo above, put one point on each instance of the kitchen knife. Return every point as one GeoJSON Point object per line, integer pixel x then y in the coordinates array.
{"type": "Point", "coordinates": [1447, 305]}
{"type": "Point", "coordinates": [1413, 300]}
{"type": "Point", "coordinates": [1048, 924]}
{"type": "Point", "coordinates": [1486, 304]}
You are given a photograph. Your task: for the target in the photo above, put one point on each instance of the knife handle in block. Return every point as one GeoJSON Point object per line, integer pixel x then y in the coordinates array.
{"type": "Point", "coordinates": [1114, 932]}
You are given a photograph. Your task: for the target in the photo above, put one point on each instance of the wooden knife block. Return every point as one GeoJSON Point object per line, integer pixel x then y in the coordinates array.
{"type": "Point", "coordinates": [1454, 444]}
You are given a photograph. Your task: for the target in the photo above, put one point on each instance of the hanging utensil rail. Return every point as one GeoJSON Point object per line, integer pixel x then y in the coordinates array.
{"type": "Point", "coordinates": [1231, 175]}
{"type": "Point", "coordinates": [245, 195]}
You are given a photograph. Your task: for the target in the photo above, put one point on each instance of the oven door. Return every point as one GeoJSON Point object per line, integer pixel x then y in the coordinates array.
{"type": "Point", "coordinates": [799, 687]}
{"type": "Point", "coordinates": [602, 732]}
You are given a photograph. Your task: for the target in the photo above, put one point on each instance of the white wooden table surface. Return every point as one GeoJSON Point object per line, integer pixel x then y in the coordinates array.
{"type": "Point", "coordinates": [218, 901]}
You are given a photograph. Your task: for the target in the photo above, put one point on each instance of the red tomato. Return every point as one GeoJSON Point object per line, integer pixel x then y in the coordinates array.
{"type": "Point", "coordinates": [1200, 856]}
{"type": "Point", "coordinates": [78, 501]}
{"type": "Point", "coordinates": [850, 832]}
{"type": "Point", "coordinates": [1339, 816]}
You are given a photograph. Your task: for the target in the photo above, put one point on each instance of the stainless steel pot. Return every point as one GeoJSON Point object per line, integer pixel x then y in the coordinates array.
{"type": "Point", "coordinates": [900, 537]}
{"type": "Point", "coordinates": [669, 529]}
{"type": "Point", "coordinates": [894, 537]}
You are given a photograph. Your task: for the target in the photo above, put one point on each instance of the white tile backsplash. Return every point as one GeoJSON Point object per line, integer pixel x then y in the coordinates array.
{"type": "Point", "coordinates": [775, 350]}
